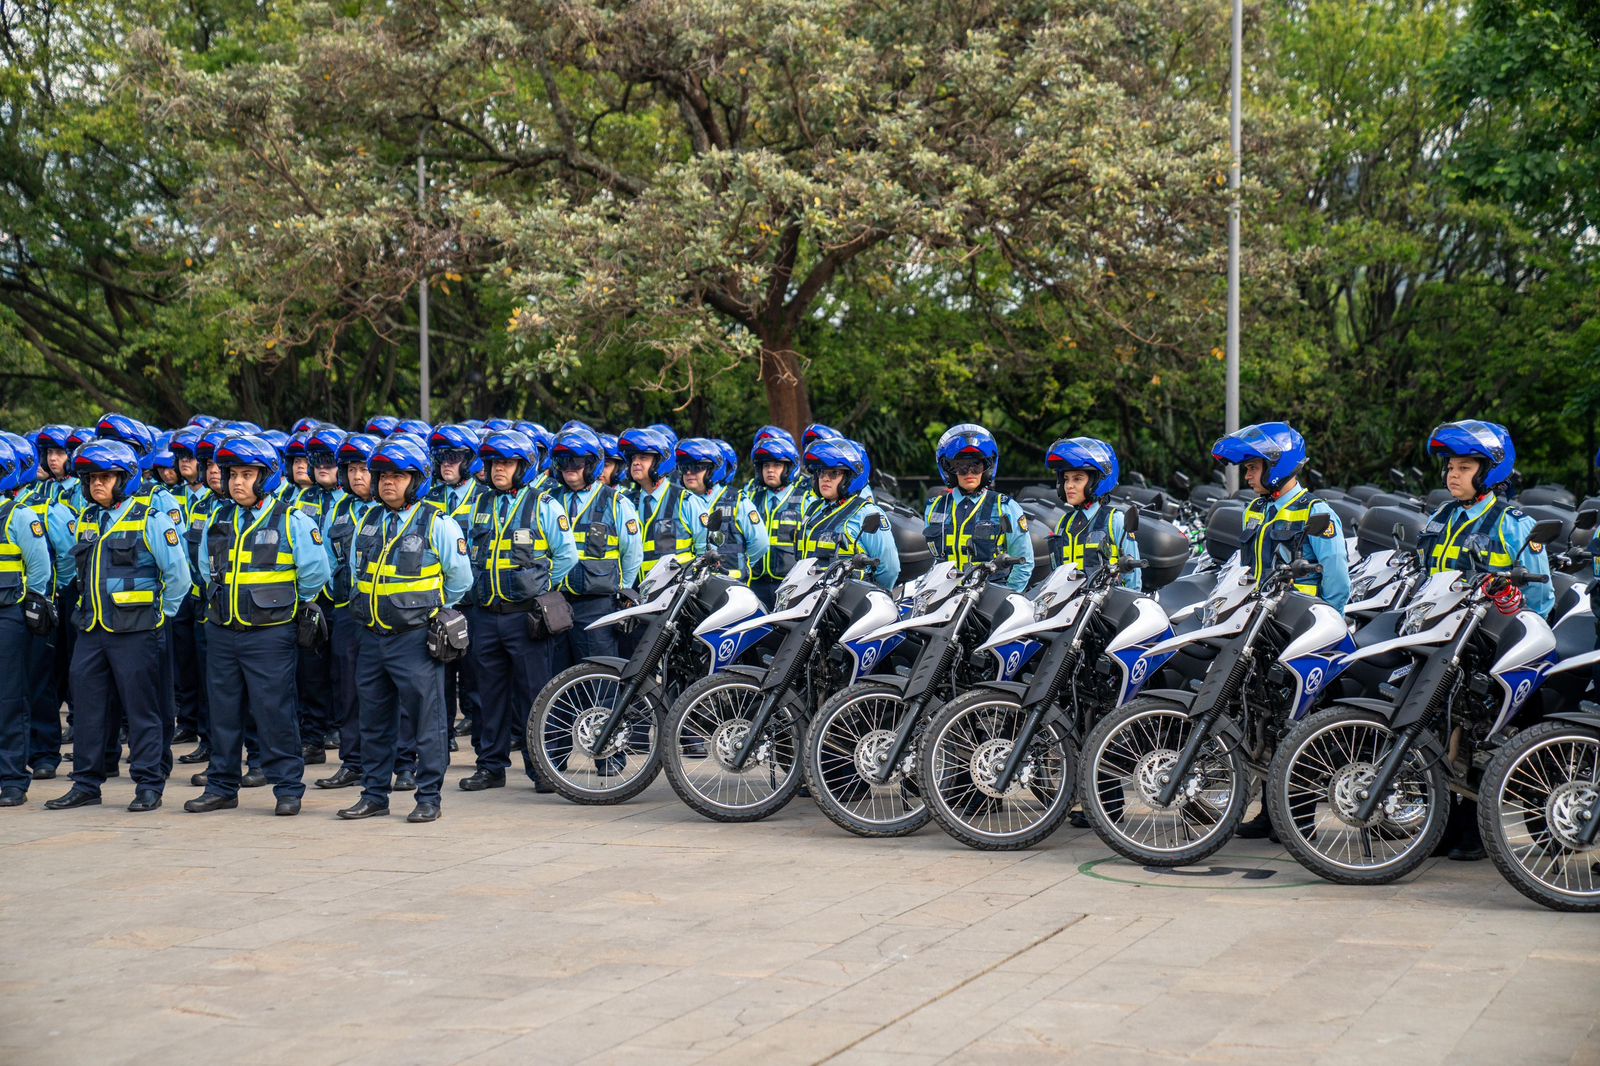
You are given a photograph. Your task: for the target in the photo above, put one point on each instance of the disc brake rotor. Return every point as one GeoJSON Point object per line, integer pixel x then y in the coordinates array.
{"type": "Point", "coordinates": [726, 740]}
{"type": "Point", "coordinates": [1150, 774]}
{"type": "Point", "coordinates": [1565, 807]}
{"type": "Point", "coordinates": [988, 759]}
{"type": "Point", "coordinates": [1345, 794]}
{"type": "Point", "coordinates": [586, 729]}
{"type": "Point", "coordinates": [872, 751]}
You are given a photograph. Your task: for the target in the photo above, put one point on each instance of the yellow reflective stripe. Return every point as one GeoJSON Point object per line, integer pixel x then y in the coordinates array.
{"type": "Point", "coordinates": [259, 577]}
{"type": "Point", "coordinates": [133, 596]}
{"type": "Point", "coordinates": [373, 589]}
{"type": "Point", "coordinates": [1285, 514]}
{"type": "Point", "coordinates": [388, 570]}
{"type": "Point", "coordinates": [387, 588]}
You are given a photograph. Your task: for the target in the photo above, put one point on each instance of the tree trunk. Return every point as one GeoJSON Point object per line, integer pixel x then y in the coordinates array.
{"type": "Point", "coordinates": [788, 403]}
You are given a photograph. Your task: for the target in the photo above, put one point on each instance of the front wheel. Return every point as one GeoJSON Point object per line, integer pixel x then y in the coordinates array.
{"type": "Point", "coordinates": [1129, 758]}
{"type": "Point", "coordinates": [704, 731]}
{"type": "Point", "coordinates": [849, 739]}
{"type": "Point", "coordinates": [964, 748]}
{"type": "Point", "coordinates": [1536, 794]}
{"type": "Point", "coordinates": [1322, 772]}
{"type": "Point", "coordinates": [566, 721]}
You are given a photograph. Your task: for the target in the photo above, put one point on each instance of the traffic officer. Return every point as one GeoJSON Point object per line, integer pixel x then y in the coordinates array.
{"type": "Point", "coordinates": [972, 522]}
{"type": "Point", "coordinates": [261, 560]}
{"type": "Point", "coordinates": [836, 526]}
{"type": "Point", "coordinates": [44, 682]}
{"type": "Point", "coordinates": [671, 521]}
{"type": "Point", "coordinates": [744, 533]}
{"type": "Point", "coordinates": [606, 533]}
{"type": "Point", "coordinates": [318, 459]}
{"type": "Point", "coordinates": [188, 625]}
{"type": "Point", "coordinates": [611, 470]}
{"type": "Point", "coordinates": [1270, 456]}
{"type": "Point", "coordinates": [338, 535]}
{"type": "Point", "coordinates": [141, 438]}
{"type": "Point", "coordinates": [24, 567]}
{"type": "Point", "coordinates": [133, 576]}
{"type": "Point", "coordinates": [455, 489]}
{"type": "Point", "coordinates": [740, 535]}
{"type": "Point", "coordinates": [55, 459]}
{"type": "Point", "coordinates": [521, 546]}
{"type": "Point", "coordinates": [408, 562]}
{"type": "Point", "coordinates": [1478, 531]}
{"type": "Point", "coordinates": [300, 470]}
{"type": "Point", "coordinates": [781, 502]}
{"type": "Point", "coordinates": [1478, 458]}
{"type": "Point", "coordinates": [1091, 533]}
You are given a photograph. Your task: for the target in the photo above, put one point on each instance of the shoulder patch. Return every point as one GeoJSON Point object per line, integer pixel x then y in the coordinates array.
{"type": "Point", "coordinates": [36, 527]}
{"type": "Point", "coordinates": [1535, 547]}
{"type": "Point", "coordinates": [316, 535]}
{"type": "Point", "coordinates": [705, 518]}
{"type": "Point", "coordinates": [1022, 524]}
{"type": "Point", "coordinates": [461, 545]}
{"type": "Point", "coordinates": [176, 514]}
{"type": "Point", "coordinates": [1329, 533]}
{"type": "Point", "coordinates": [633, 527]}
{"type": "Point", "coordinates": [563, 522]}
{"type": "Point", "coordinates": [755, 517]}
{"type": "Point", "coordinates": [172, 537]}
{"type": "Point", "coordinates": [1515, 512]}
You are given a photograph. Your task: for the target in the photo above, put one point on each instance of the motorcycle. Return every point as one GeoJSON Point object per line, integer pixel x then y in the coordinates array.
{"type": "Point", "coordinates": [997, 764]}
{"type": "Point", "coordinates": [1360, 793]}
{"type": "Point", "coordinates": [593, 728]}
{"type": "Point", "coordinates": [860, 752]}
{"type": "Point", "coordinates": [734, 740]}
{"type": "Point", "coordinates": [1168, 776]}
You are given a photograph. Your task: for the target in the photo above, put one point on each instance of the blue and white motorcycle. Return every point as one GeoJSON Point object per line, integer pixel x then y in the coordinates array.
{"type": "Point", "coordinates": [1360, 793]}
{"type": "Point", "coordinates": [997, 765]}
{"type": "Point", "coordinates": [861, 749]}
{"type": "Point", "coordinates": [734, 742]}
{"type": "Point", "coordinates": [1167, 777]}
{"type": "Point", "coordinates": [593, 728]}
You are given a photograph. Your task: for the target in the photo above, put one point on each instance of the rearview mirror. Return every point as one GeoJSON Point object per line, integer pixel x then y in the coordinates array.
{"type": "Point", "coordinates": [1130, 521]}
{"type": "Point", "coordinates": [1545, 530]}
{"type": "Point", "coordinates": [873, 523]}
{"type": "Point", "coordinates": [1159, 504]}
{"type": "Point", "coordinates": [1399, 533]}
{"type": "Point", "coordinates": [1181, 481]}
{"type": "Point", "coordinates": [1318, 524]}
{"type": "Point", "coordinates": [1587, 519]}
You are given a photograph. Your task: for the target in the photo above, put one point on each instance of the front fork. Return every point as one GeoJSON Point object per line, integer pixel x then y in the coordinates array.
{"type": "Point", "coordinates": [652, 657]}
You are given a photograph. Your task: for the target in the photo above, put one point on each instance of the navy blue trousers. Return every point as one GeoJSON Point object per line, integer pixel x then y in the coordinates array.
{"type": "Point", "coordinates": [401, 691]}
{"type": "Point", "coordinates": [254, 669]}
{"type": "Point", "coordinates": [112, 671]}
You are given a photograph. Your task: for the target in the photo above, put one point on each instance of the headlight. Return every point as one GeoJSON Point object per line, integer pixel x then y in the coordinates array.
{"type": "Point", "coordinates": [1361, 589]}
{"type": "Point", "coordinates": [785, 597]}
{"type": "Point", "coordinates": [1208, 615]}
{"type": "Point", "coordinates": [1415, 619]}
{"type": "Point", "coordinates": [1043, 606]}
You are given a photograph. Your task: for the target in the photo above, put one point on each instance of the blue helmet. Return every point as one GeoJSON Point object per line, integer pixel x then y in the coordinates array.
{"type": "Point", "coordinates": [248, 449]}
{"type": "Point", "coordinates": [296, 448]}
{"type": "Point", "coordinates": [1093, 456]}
{"type": "Point", "coordinates": [500, 445]}
{"type": "Point", "coordinates": [609, 445]}
{"type": "Point", "coordinates": [474, 424]}
{"type": "Point", "coordinates": [186, 442]}
{"type": "Point", "coordinates": [241, 426]}
{"type": "Point", "coordinates": [669, 434]}
{"type": "Point", "coordinates": [381, 425]}
{"type": "Point", "coordinates": [203, 421]}
{"type": "Point", "coordinates": [779, 432]}
{"type": "Point", "coordinates": [357, 448]}
{"type": "Point", "coordinates": [27, 459]}
{"type": "Point", "coordinates": [1471, 439]}
{"type": "Point", "coordinates": [649, 441]}
{"type": "Point", "coordinates": [542, 440]}
{"type": "Point", "coordinates": [9, 468]}
{"type": "Point", "coordinates": [817, 431]}
{"type": "Point", "coordinates": [278, 439]}
{"type": "Point", "coordinates": [130, 431]}
{"type": "Point", "coordinates": [575, 423]}
{"type": "Point", "coordinates": [499, 423]}
{"type": "Point", "coordinates": [210, 440]}
{"type": "Point", "coordinates": [579, 446]}
{"type": "Point", "coordinates": [967, 441]}
{"type": "Point", "coordinates": [1277, 444]}
{"type": "Point", "coordinates": [160, 454]}
{"type": "Point", "coordinates": [836, 453]}
{"type": "Point", "coordinates": [110, 457]}
{"type": "Point", "coordinates": [55, 435]}
{"type": "Point", "coordinates": [454, 437]}
{"type": "Point", "coordinates": [81, 436]}
{"type": "Point", "coordinates": [405, 454]}
{"type": "Point", "coordinates": [416, 427]}
{"type": "Point", "coordinates": [730, 462]}
{"type": "Point", "coordinates": [696, 453]}
{"type": "Point", "coordinates": [305, 425]}
{"type": "Point", "coordinates": [776, 449]}
{"type": "Point", "coordinates": [323, 445]}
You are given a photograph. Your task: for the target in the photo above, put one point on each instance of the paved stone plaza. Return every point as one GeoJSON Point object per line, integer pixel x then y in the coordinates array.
{"type": "Point", "coordinates": [521, 929]}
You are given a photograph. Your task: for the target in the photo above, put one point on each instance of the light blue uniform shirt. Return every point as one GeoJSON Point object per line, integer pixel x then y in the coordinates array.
{"type": "Point", "coordinates": [172, 560]}
{"type": "Point", "coordinates": [630, 536]}
{"type": "Point", "coordinates": [30, 540]}
{"type": "Point", "coordinates": [311, 566]}
{"type": "Point", "coordinates": [1014, 541]}
{"type": "Point", "coordinates": [1511, 531]}
{"type": "Point", "coordinates": [1329, 552]}
{"type": "Point", "coordinates": [880, 545]}
{"type": "Point", "coordinates": [446, 541]}
{"type": "Point", "coordinates": [1127, 547]}
{"type": "Point", "coordinates": [692, 511]}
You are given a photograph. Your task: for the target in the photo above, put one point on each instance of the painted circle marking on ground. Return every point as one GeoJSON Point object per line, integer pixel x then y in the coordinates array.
{"type": "Point", "coordinates": [1211, 876]}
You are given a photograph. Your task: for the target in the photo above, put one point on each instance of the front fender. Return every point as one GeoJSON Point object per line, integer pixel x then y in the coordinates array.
{"type": "Point", "coordinates": [1007, 688]}
{"type": "Point", "coordinates": [1587, 719]}
{"type": "Point", "coordinates": [1171, 695]}
{"type": "Point", "coordinates": [898, 682]}
{"type": "Point", "coordinates": [613, 661]}
{"type": "Point", "coordinates": [755, 672]}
